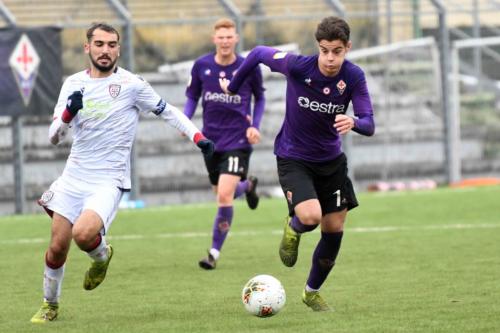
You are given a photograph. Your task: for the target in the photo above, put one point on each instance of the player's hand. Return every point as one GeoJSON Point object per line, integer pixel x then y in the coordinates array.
{"type": "Point", "coordinates": [224, 83]}
{"type": "Point", "coordinates": [206, 145]}
{"type": "Point", "coordinates": [343, 123]}
{"type": "Point", "coordinates": [73, 105]}
{"type": "Point", "coordinates": [253, 135]}
{"type": "Point", "coordinates": [75, 102]}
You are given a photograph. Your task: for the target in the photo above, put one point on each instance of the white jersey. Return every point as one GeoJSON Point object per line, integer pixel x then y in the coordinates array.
{"type": "Point", "coordinates": [104, 130]}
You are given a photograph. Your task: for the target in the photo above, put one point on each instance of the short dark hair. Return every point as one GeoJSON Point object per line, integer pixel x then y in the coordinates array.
{"type": "Point", "coordinates": [332, 28]}
{"type": "Point", "coordinates": [101, 26]}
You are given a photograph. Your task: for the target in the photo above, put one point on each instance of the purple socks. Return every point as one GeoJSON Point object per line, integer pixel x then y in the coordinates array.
{"type": "Point", "coordinates": [222, 223]}
{"type": "Point", "coordinates": [241, 188]}
{"type": "Point", "coordinates": [324, 258]}
{"type": "Point", "coordinates": [299, 227]}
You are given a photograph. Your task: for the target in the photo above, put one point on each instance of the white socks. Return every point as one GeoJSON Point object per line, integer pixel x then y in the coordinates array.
{"type": "Point", "coordinates": [52, 281]}
{"type": "Point", "coordinates": [100, 253]}
{"type": "Point", "coordinates": [215, 253]}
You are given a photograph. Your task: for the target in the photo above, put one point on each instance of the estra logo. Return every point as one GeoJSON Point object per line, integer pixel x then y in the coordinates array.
{"type": "Point", "coordinates": [316, 106]}
{"type": "Point", "coordinates": [222, 98]}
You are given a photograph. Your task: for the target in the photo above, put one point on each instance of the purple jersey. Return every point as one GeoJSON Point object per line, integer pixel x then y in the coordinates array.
{"type": "Point", "coordinates": [312, 101]}
{"type": "Point", "coordinates": [225, 118]}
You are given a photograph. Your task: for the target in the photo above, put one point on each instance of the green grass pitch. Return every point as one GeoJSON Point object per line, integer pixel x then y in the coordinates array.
{"type": "Point", "coordinates": [410, 262]}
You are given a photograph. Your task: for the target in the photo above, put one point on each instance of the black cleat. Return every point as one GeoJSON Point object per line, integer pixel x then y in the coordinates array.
{"type": "Point", "coordinates": [252, 197]}
{"type": "Point", "coordinates": [207, 262]}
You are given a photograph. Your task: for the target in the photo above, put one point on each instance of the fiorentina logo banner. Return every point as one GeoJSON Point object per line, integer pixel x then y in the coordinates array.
{"type": "Point", "coordinates": [24, 62]}
{"type": "Point", "coordinates": [30, 70]}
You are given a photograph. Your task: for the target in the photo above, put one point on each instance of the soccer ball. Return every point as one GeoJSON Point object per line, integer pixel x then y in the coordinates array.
{"type": "Point", "coordinates": [263, 296]}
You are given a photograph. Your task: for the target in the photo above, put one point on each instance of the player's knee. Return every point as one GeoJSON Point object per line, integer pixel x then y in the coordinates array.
{"type": "Point", "coordinates": [334, 222]}
{"type": "Point", "coordinates": [336, 225]}
{"type": "Point", "coordinates": [83, 237]}
{"type": "Point", "coordinates": [310, 218]}
{"type": "Point", "coordinates": [58, 251]}
{"type": "Point", "coordinates": [225, 198]}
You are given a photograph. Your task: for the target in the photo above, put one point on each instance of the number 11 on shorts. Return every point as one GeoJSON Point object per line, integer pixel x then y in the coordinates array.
{"type": "Point", "coordinates": [233, 164]}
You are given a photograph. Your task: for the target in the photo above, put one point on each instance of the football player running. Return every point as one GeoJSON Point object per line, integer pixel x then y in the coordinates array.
{"type": "Point", "coordinates": [227, 121]}
{"type": "Point", "coordinates": [102, 105]}
{"type": "Point", "coordinates": [312, 168]}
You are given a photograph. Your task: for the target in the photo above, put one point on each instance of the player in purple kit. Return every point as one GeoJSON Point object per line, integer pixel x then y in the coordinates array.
{"type": "Point", "coordinates": [229, 122]}
{"type": "Point", "coordinates": [312, 168]}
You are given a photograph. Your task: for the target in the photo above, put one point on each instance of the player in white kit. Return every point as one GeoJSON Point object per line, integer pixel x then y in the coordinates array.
{"type": "Point", "coordinates": [102, 106]}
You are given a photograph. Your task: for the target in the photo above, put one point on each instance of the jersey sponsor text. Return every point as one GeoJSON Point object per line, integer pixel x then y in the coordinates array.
{"type": "Point", "coordinates": [316, 106]}
{"type": "Point", "coordinates": [221, 97]}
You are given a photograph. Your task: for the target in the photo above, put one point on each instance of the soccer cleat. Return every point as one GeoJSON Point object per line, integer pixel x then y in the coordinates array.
{"type": "Point", "coordinates": [208, 262]}
{"type": "Point", "coordinates": [314, 300]}
{"type": "Point", "coordinates": [251, 196]}
{"type": "Point", "coordinates": [97, 272]}
{"type": "Point", "coordinates": [47, 312]}
{"type": "Point", "coordinates": [289, 246]}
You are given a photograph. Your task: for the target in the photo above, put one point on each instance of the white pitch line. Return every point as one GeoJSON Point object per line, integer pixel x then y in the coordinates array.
{"type": "Point", "coordinates": [24, 241]}
{"type": "Point", "coordinates": [271, 232]}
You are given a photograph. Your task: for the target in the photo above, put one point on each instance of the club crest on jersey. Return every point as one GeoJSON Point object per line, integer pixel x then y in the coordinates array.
{"type": "Point", "coordinates": [308, 81]}
{"type": "Point", "coordinates": [208, 71]}
{"type": "Point", "coordinates": [326, 90]}
{"type": "Point", "coordinates": [222, 74]}
{"type": "Point", "coordinates": [114, 90]}
{"type": "Point", "coordinates": [341, 86]}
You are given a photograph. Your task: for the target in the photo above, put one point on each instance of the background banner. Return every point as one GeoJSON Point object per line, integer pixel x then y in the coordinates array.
{"type": "Point", "coordinates": [30, 70]}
